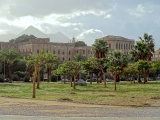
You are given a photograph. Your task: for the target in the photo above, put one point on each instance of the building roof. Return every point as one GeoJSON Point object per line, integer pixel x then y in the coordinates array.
{"type": "Point", "coordinates": [112, 37]}
{"type": "Point", "coordinates": [157, 52]}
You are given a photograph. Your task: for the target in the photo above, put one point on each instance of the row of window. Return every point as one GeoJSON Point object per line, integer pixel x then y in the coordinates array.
{"type": "Point", "coordinates": [68, 52]}
{"type": "Point", "coordinates": [123, 46]}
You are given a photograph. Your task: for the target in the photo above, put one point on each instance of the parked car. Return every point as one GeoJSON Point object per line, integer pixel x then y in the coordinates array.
{"type": "Point", "coordinates": [6, 80]}
{"type": "Point", "coordinates": [109, 80]}
{"type": "Point", "coordinates": [66, 80]}
{"type": "Point", "coordinates": [93, 80]}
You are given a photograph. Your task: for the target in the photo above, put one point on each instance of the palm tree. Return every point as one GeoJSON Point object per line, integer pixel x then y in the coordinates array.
{"type": "Point", "coordinates": [150, 44]}
{"type": "Point", "coordinates": [140, 51]}
{"type": "Point", "coordinates": [79, 57]}
{"type": "Point", "coordinates": [100, 48]}
{"type": "Point", "coordinates": [117, 62]}
{"type": "Point", "coordinates": [10, 56]}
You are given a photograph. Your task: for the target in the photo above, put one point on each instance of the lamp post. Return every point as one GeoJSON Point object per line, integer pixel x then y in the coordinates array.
{"type": "Point", "coordinates": [4, 67]}
{"type": "Point", "coordinates": [80, 61]}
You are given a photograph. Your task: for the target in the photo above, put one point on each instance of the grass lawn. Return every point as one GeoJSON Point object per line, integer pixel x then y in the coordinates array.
{"type": "Point", "coordinates": [127, 94]}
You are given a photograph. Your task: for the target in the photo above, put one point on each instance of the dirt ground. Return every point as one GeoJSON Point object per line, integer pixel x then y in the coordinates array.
{"type": "Point", "coordinates": [31, 107]}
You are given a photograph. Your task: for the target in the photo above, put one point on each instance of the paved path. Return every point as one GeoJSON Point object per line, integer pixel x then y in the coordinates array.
{"type": "Point", "coordinates": [47, 110]}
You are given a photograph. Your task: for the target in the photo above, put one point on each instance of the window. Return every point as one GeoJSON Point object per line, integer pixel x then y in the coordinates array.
{"type": "Point", "coordinates": [119, 46]}
{"type": "Point", "coordinates": [37, 51]}
{"type": "Point", "coordinates": [53, 52]}
{"type": "Point", "coordinates": [88, 51]}
{"type": "Point", "coordinates": [109, 45]}
{"type": "Point", "coordinates": [124, 46]}
{"type": "Point", "coordinates": [69, 58]}
{"type": "Point", "coordinates": [77, 51]}
{"type": "Point", "coordinates": [69, 53]}
{"type": "Point", "coordinates": [58, 52]}
{"type": "Point", "coordinates": [63, 53]}
{"type": "Point", "coordinates": [116, 45]}
{"type": "Point", "coordinates": [83, 51]}
{"type": "Point", "coordinates": [63, 58]}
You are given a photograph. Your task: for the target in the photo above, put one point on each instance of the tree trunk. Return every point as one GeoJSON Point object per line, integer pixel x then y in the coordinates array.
{"type": "Point", "coordinates": [145, 78]}
{"type": "Point", "coordinates": [71, 80]}
{"type": "Point", "coordinates": [38, 80]}
{"type": "Point", "coordinates": [48, 74]}
{"type": "Point", "coordinates": [139, 79]}
{"type": "Point", "coordinates": [64, 77]}
{"type": "Point", "coordinates": [34, 87]}
{"type": "Point", "coordinates": [97, 79]}
{"type": "Point", "coordinates": [117, 78]}
{"type": "Point", "coordinates": [115, 87]}
{"type": "Point", "coordinates": [74, 85]}
{"type": "Point", "coordinates": [91, 77]}
{"type": "Point", "coordinates": [10, 76]}
{"type": "Point", "coordinates": [104, 79]}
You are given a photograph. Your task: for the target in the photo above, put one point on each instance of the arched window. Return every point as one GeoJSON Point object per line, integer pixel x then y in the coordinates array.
{"type": "Point", "coordinates": [124, 46]}
{"type": "Point", "coordinates": [119, 46]}
{"type": "Point", "coordinates": [116, 45]}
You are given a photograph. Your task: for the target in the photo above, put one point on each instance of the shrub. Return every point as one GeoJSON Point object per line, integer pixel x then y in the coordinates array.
{"type": "Point", "coordinates": [1, 78]}
{"type": "Point", "coordinates": [26, 78]}
{"type": "Point", "coordinates": [15, 77]}
{"type": "Point", "coordinates": [21, 74]}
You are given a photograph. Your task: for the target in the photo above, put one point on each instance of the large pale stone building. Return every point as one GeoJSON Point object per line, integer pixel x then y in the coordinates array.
{"type": "Point", "coordinates": [119, 43]}
{"type": "Point", "coordinates": [63, 51]}
{"type": "Point", "coordinates": [156, 55]}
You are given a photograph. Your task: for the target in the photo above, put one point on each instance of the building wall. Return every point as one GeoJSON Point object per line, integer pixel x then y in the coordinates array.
{"type": "Point", "coordinates": [63, 51]}
{"type": "Point", "coordinates": [119, 43]}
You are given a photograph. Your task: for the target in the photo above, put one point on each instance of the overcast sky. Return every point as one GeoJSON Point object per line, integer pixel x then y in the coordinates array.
{"type": "Point", "coordinates": [85, 19]}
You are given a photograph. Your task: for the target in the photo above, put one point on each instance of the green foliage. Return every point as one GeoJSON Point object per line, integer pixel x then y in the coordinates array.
{"type": "Point", "coordinates": [26, 78]}
{"type": "Point", "coordinates": [79, 57]}
{"type": "Point", "coordinates": [142, 66]}
{"type": "Point", "coordinates": [21, 74]}
{"type": "Point", "coordinates": [19, 65]}
{"type": "Point", "coordinates": [100, 48]}
{"type": "Point", "coordinates": [22, 38]}
{"type": "Point", "coordinates": [117, 62]}
{"type": "Point", "coordinates": [1, 78]}
{"type": "Point", "coordinates": [15, 77]}
{"type": "Point", "coordinates": [80, 43]}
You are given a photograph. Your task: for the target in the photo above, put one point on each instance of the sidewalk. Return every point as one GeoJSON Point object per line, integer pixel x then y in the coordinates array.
{"type": "Point", "coordinates": [15, 117]}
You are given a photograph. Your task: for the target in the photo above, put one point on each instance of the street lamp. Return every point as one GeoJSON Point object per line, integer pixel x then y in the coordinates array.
{"type": "Point", "coordinates": [4, 67]}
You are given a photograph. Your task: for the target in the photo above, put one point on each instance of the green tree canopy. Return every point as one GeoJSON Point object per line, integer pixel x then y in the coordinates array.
{"type": "Point", "coordinates": [22, 38]}
{"type": "Point", "coordinates": [80, 43]}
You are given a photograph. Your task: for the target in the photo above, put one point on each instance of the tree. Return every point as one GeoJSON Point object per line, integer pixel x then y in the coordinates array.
{"type": "Point", "coordinates": [150, 44]}
{"type": "Point", "coordinates": [117, 62]}
{"type": "Point", "coordinates": [89, 66]}
{"type": "Point", "coordinates": [80, 44]}
{"type": "Point", "coordinates": [22, 38]}
{"type": "Point", "coordinates": [100, 48]}
{"type": "Point", "coordinates": [140, 51]}
{"type": "Point", "coordinates": [143, 67]}
{"type": "Point", "coordinates": [10, 56]}
{"type": "Point", "coordinates": [50, 61]}
{"type": "Point", "coordinates": [79, 57]}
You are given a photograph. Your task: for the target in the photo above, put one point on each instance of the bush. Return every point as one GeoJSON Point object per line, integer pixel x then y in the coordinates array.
{"type": "Point", "coordinates": [26, 78]}
{"type": "Point", "coordinates": [15, 77]}
{"type": "Point", "coordinates": [21, 74]}
{"type": "Point", "coordinates": [1, 78]}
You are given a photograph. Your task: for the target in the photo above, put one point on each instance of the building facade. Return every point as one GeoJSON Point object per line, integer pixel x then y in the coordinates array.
{"type": "Point", "coordinates": [156, 55]}
{"type": "Point", "coordinates": [63, 51]}
{"type": "Point", "coordinates": [119, 43]}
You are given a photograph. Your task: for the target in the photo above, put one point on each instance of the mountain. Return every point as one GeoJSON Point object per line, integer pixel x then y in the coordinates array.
{"type": "Point", "coordinates": [7, 37]}
{"type": "Point", "coordinates": [33, 31]}
{"type": "Point", "coordinates": [57, 37]}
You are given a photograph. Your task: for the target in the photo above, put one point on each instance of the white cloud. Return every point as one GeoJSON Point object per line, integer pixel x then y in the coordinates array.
{"type": "Point", "coordinates": [108, 16]}
{"type": "Point", "coordinates": [139, 11]}
{"type": "Point", "coordinates": [90, 35]}
{"type": "Point", "coordinates": [140, 8]}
